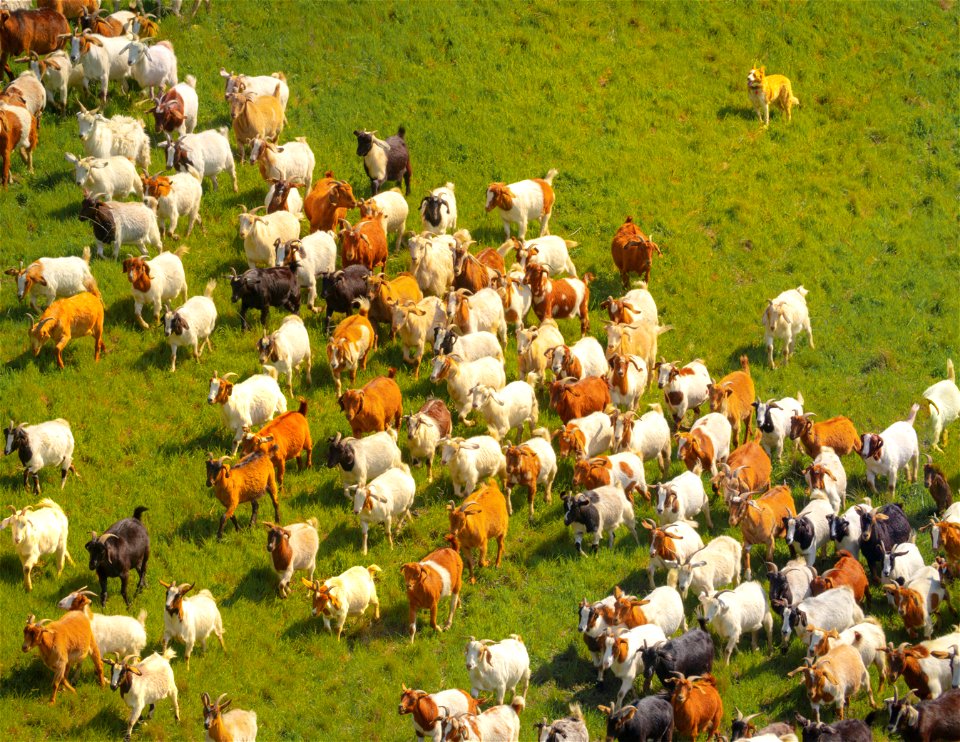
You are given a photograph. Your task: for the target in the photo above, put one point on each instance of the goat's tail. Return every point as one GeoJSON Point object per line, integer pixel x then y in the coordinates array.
{"type": "Point", "coordinates": [90, 284]}
{"type": "Point", "coordinates": [913, 413]}
{"type": "Point", "coordinates": [302, 409]}
{"type": "Point", "coordinates": [745, 365]}
{"type": "Point", "coordinates": [208, 289]}
{"type": "Point", "coordinates": [950, 372]}
{"type": "Point", "coordinates": [551, 175]}
{"type": "Point", "coordinates": [87, 254]}
{"type": "Point", "coordinates": [142, 618]}
{"type": "Point", "coordinates": [139, 511]}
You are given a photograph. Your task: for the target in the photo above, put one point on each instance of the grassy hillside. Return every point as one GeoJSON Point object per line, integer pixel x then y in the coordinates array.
{"type": "Point", "coordinates": [643, 110]}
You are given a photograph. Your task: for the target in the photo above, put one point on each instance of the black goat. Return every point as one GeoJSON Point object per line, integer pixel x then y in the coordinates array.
{"type": "Point", "coordinates": [340, 289]}
{"type": "Point", "coordinates": [384, 160]}
{"type": "Point", "coordinates": [123, 546]}
{"type": "Point", "coordinates": [648, 718]}
{"type": "Point", "coordinates": [882, 527]}
{"type": "Point", "coordinates": [848, 730]}
{"type": "Point", "coordinates": [262, 288]}
{"type": "Point", "coordinates": [938, 719]}
{"type": "Point", "coordinates": [690, 653]}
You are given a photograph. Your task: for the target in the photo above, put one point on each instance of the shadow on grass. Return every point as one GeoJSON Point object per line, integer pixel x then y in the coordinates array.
{"type": "Point", "coordinates": [743, 112]}
{"type": "Point", "coordinates": [256, 586]}
{"type": "Point", "coordinates": [756, 355]}
{"type": "Point", "coordinates": [213, 440]}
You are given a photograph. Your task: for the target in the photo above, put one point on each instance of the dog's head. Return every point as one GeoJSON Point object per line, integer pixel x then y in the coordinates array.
{"type": "Point", "coordinates": [755, 78]}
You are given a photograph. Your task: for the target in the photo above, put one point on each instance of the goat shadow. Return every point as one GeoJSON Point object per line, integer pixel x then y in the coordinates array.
{"type": "Point", "coordinates": [212, 440]}
{"type": "Point", "coordinates": [565, 668]}
{"type": "Point", "coordinates": [756, 355]}
{"type": "Point", "coordinates": [256, 586]}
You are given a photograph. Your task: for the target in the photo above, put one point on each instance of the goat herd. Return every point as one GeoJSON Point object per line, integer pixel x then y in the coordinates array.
{"type": "Point", "coordinates": [460, 303]}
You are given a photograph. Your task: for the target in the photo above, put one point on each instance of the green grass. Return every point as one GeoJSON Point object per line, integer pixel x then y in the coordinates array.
{"type": "Point", "coordinates": [643, 110]}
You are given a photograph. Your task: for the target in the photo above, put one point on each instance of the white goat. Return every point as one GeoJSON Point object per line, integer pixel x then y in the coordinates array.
{"type": "Point", "coordinates": [470, 347]}
{"type": "Point", "coordinates": [261, 233]}
{"type": "Point", "coordinates": [894, 449]}
{"type": "Point", "coordinates": [516, 296]}
{"type": "Point", "coordinates": [810, 529]}
{"type": "Point", "coordinates": [189, 620]}
{"type": "Point", "coordinates": [834, 609]}
{"type": "Point", "coordinates": [734, 612]}
{"type": "Point", "coordinates": [315, 255]}
{"type": "Point", "coordinates": [903, 561]}
{"type": "Point", "coordinates": [292, 547]}
{"type": "Point", "coordinates": [208, 152]}
{"type": "Point", "coordinates": [628, 379]}
{"type": "Point", "coordinates": [286, 349]}
{"type": "Point", "coordinates": [152, 66]}
{"type": "Point", "coordinates": [119, 135]}
{"type": "Point", "coordinates": [773, 420]}
{"type": "Point", "coordinates": [191, 324]}
{"type": "Point", "coordinates": [462, 376]}
{"type": "Point", "coordinates": [580, 360]}
{"type": "Point", "coordinates": [943, 399]}
{"type": "Point", "coordinates": [507, 408]}
{"type": "Point", "coordinates": [134, 224]}
{"type": "Point", "coordinates": [145, 683]}
{"type": "Point", "coordinates": [431, 262]}
{"type": "Point", "coordinates": [363, 459]}
{"type": "Point", "coordinates": [604, 508]}
{"type": "Point", "coordinates": [38, 530]}
{"type": "Point", "coordinates": [186, 191]}
{"type": "Point", "coordinates": [393, 210]}
{"type": "Point", "coordinates": [108, 178]}
{"type": "Point", "coordinates": [684, 541]}
{"type": "Point", "coordinates": [532, 346]}
{"type": "Point", "coordinates": [683, 388]}
{"type": "Point", "coordinates": [826, 476]}
{"type": "Point", "coordinates": [472, 460]}
{"type": "Point", "coordinates": [155, 282]}
{"type": "Point", "coordinates": [484, 311]}
{"type": "Point", "coordinates": [388, 496]}
{"type": "Point", "coordinates": [293, 161]}
{"type": "Point", "coordinates": [648, 437]}
{"type": "Point", "coordinates": [102, 60]}
{"type": "Point", "coordinates": [866, 637]}
{"type": "Point", "coordinates": [498, 666]}
{"type": "Point", "coordinates": [623, 653]}
{"type": "Point", "coordinates": [786, 317]}
{"type": "Point", "coordinates": [710, 568]}
{"type": "Point", "coordinates": [442, 207]}
{"type": "Point", "coordinates": [549, 251]}
{"type": "Point", "coordinates": [845, 530]}
{"type": "Point", "coordinates": [662, 607]}
{"type": "Point", "coordinates": [348, 594]}
{"type": "Point", "coordinates": [682, 498]}
{"type": "Point", "coordinates": [253, 401]}
{"type": "Point", "coordinates": [58, 75]}
{"type": "Point", "coordinates": [123, 635]}
{"type": "Point", "coordinates": [587, 436]}
{"type": "Point", "coordinates": [417, 324]}
{"type": "Point", "coordinates": [424, 433]}
{"type": "Point", "coordinates": [54, 277]}
{"type": "Point", "coordinates": [520, 202]}
{"type": "Point", "coordinates": [256, 85]}
{"type": "Point", "coordinates": [44, 444]}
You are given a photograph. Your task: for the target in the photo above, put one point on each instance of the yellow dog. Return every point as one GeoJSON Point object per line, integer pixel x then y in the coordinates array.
{"type": "Point", "coordinates": [766, 89]}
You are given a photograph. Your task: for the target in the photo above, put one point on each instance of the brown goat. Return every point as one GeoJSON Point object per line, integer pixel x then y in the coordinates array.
{"type": "Point", "coordinates": [571, 398]}
{"type": "Point", "coordinates": [375, 407]}
{"type": "Point", "coordinates": [365, 243]}
{"type": "Point", "coordinates": [937, 485]}
{"type": "Point", "coordinates": [733, 396]}
{"type": "Point", "coordinates": [327, 203]}
{"type": "Point", "coordinates": [63, 644]}
{"type": "Point", "coordinates": [846, 571]}
{"type": "Point", "coordinates": [761, 520]}
{"type": "Point", "coordinates": [245, 482]}
{"type": "Point", "coordinates": [481, 517]}
{"type": "Point", "coordinates": [839, 433]}
{"type": "Point", "coordinates": [283, 438]}
{"type": "Point", "coordinates": [632, 251]}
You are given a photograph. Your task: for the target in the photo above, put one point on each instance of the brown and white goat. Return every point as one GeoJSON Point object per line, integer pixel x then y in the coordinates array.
{"type": "Point", "coordinates": [438, 575]}
{"type": "Point", "coordinates": [733, 396]}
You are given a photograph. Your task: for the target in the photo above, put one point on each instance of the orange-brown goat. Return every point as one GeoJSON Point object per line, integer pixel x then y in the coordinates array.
{"type": "Point", "coordinates": [697, 706]}
{"type": "Point", "coordinates": [838, 432]}
{"type": "Point", "coordinates": [746, 470]}
{"type": "Point", "coordinates": [846, 571]}
{"type": "Point", "coordinates": [327, 203]}
{"type": "Point", "coordinates": [632, 252]}
{"type": "Point", "coordinates": [761, 520]}
{"type": "Point", "coordinates": [283, 438]}
{"type": "Point", "coordinates": [384, 293]}
{"type": "Point", "coordinates": [350, 345]}
{"type": "Point", "coordinates": [733, 396]}
{"type": "Point", "coordinates": [64, 319]}
{"type": "Point", "coordinates": [482, 516]}
{"type": "Point", "coordinates": [375, 407]}
{"type": "Point", "coordinates": [63, 644]}
{"type": "Point", "coordinates": [365, 244]}
{"type": "Point", "coordinates": [426, 583]}
{"type": "Point", "coordinates": [573, 399]}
